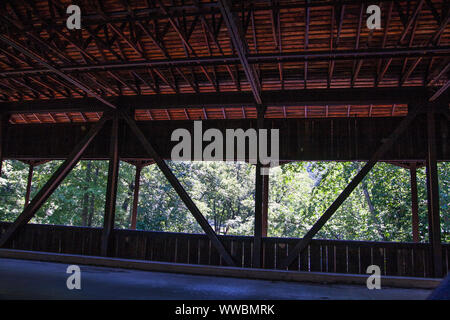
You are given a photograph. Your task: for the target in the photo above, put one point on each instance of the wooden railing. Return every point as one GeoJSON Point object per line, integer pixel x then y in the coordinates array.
{"type": "Point", "coordinates": [394, 258]}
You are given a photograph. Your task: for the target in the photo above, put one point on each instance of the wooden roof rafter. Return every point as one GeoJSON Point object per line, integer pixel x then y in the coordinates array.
{"type": "Point", "coordinates": [130, 48]}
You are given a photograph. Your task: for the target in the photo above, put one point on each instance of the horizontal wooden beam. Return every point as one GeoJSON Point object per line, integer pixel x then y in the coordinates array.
{"type": "Point", "coordinates": [353, 96]}
{"type": "Point", "coordinates": [338, 139]}
{"type": "Point", "coordinates": [251, 59]}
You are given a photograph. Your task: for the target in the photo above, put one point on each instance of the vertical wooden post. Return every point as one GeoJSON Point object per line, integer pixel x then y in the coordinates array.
{"type": "Point", "coordinates": [258, 217]}
{"type": "Point", "coordinates": [136, 196]}
{"type": "Point", "coordinates": [258, 232]}
{"type": "Point", "coordinates": [434, 225]}
{"type": "Point", "coordinates": [111, 189]}
{"type": "Point", "coordinates": [265, 204]}
{"type": "Point", "coordinates": [2, 127]}
{"type": "Point", "coordinates": [30, 179]}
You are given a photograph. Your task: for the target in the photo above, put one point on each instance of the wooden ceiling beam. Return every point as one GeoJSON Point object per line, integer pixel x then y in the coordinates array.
{"type": "Point", "coordinates": [240, 45]}
{"type": "Point", "coordinates": [53, 69]}
{"type": "Point", "coordinates": [253, 59]}
{"type": "Point", "coordinates": [353, 96]}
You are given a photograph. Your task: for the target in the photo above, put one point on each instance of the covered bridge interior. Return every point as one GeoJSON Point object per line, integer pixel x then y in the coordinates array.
{"type": "Point", "coordinates": [137, 70]}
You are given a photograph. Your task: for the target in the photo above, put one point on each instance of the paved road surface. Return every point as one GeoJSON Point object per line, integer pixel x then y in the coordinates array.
{"type": "Point", "coordinates": [24, 279]}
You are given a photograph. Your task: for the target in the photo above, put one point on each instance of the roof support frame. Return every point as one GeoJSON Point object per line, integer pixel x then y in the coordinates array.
{"type": "Point", "coordinates": [178, 188]}
{"type": "Point", "coordinates": [51, 185]}
{"type": "Point", "coordinates": [240, 45]}
{"type": "Point", "coordinates": [68, 78]}
{"type": "Point", "coordinates": [385, 146]}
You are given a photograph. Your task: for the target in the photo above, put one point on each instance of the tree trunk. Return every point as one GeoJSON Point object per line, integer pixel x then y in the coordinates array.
{"type": "Point", "coordinates": [85, 202]}
{"type": "Point", "coordinates": [372, 210]}
{"type": "Point", "coordinates": [92, 203]}
{"type": "Point", "coordinates": [127, 200]}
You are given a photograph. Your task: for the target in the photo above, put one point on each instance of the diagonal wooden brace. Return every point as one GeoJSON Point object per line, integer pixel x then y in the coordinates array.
{"type": "Point", "coordinates": [179, 189]}
{"type": "Point", "coordinates": [53, 183]}
{"type": "Point", "coordinates": [111, 188]}
{"type": "Point", "coordinates": [387, 144]}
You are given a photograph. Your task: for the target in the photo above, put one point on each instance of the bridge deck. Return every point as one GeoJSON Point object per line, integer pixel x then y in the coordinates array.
{"type": "Point", "coordinates": [24, 279]}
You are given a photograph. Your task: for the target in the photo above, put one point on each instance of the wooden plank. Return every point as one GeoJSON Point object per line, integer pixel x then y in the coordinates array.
{"type": "Point", "coordinates": [269, 254]}
{"type": "Point", "coordinates": [170, 248]}
{"type": "Point", "coordinates": [365, 256]}
{"type": "Point", "coordinates": [84, 242]}
{"type": "Point", "coordinates": [193, 251]}
{"type": "Point", "coordinates": [69, 242]}
{"type": "Point", "coordinates": [378, 259]}
{"type": "Point", "coordinates": [227, 245]}
{"type": "Point", "coordinates": [115, 244]}
{"type": "Point", "coordinates": [391, 261]}
{"type": "Point", "coordinates": [59, 239]}
{"type": "Point", "coordinates": [149, 248]}
{"type": "Point", "coordinates": [324, 257]}
{"type": "Point", "coordinates": [137, 245]}
{"type": "Point", "coordinates": [96, 243]}
{"type": "Point", "coordinates": [157, 248]}
{"type": "Point", "coordinates": [236, 252]}
{"type": "Point", "coordinates": [77, 235]}
{"type": "Point", "coordinates": [142, 246]}
{"type": "Point", "coordinates": [314, 257]}
{"type": "Point", "coordinates": [419, 262]}
{"type": "Point", "coordinates": [401, 260]}
{"type": "Point", "coordinates": [295, 265]}
{"type": "Point", "coordinates": [353, 259]}
{"type": "Point", "coordinates": [331, 259]}
{"type": "Point", "coordinates": [87, 242]}
{"type": "Point", "coordinates": [54, 240]}
{"type": "Point", "coordinates": [304, 260]}
{"type": "Point", "coordinates": [204, 251]}
{"type": "Point", "coordinates": [405, 262]}
{"type": "Point", "coordinates": [248, 254]}
{"type": "Point", "coordinates": [33, 239]}
{"type": "Point", "coordinates": [341, 258]}
{"type": "Point", "coordinates": [214, 255]}
{"type": "Point", "coordinates": [281, 254]}
{"type": "Point", "coordinates": [409, 263]}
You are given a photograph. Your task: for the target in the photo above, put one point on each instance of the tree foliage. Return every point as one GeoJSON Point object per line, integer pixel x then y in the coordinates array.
{"type": "Point", "coordinates": [378, 209]}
